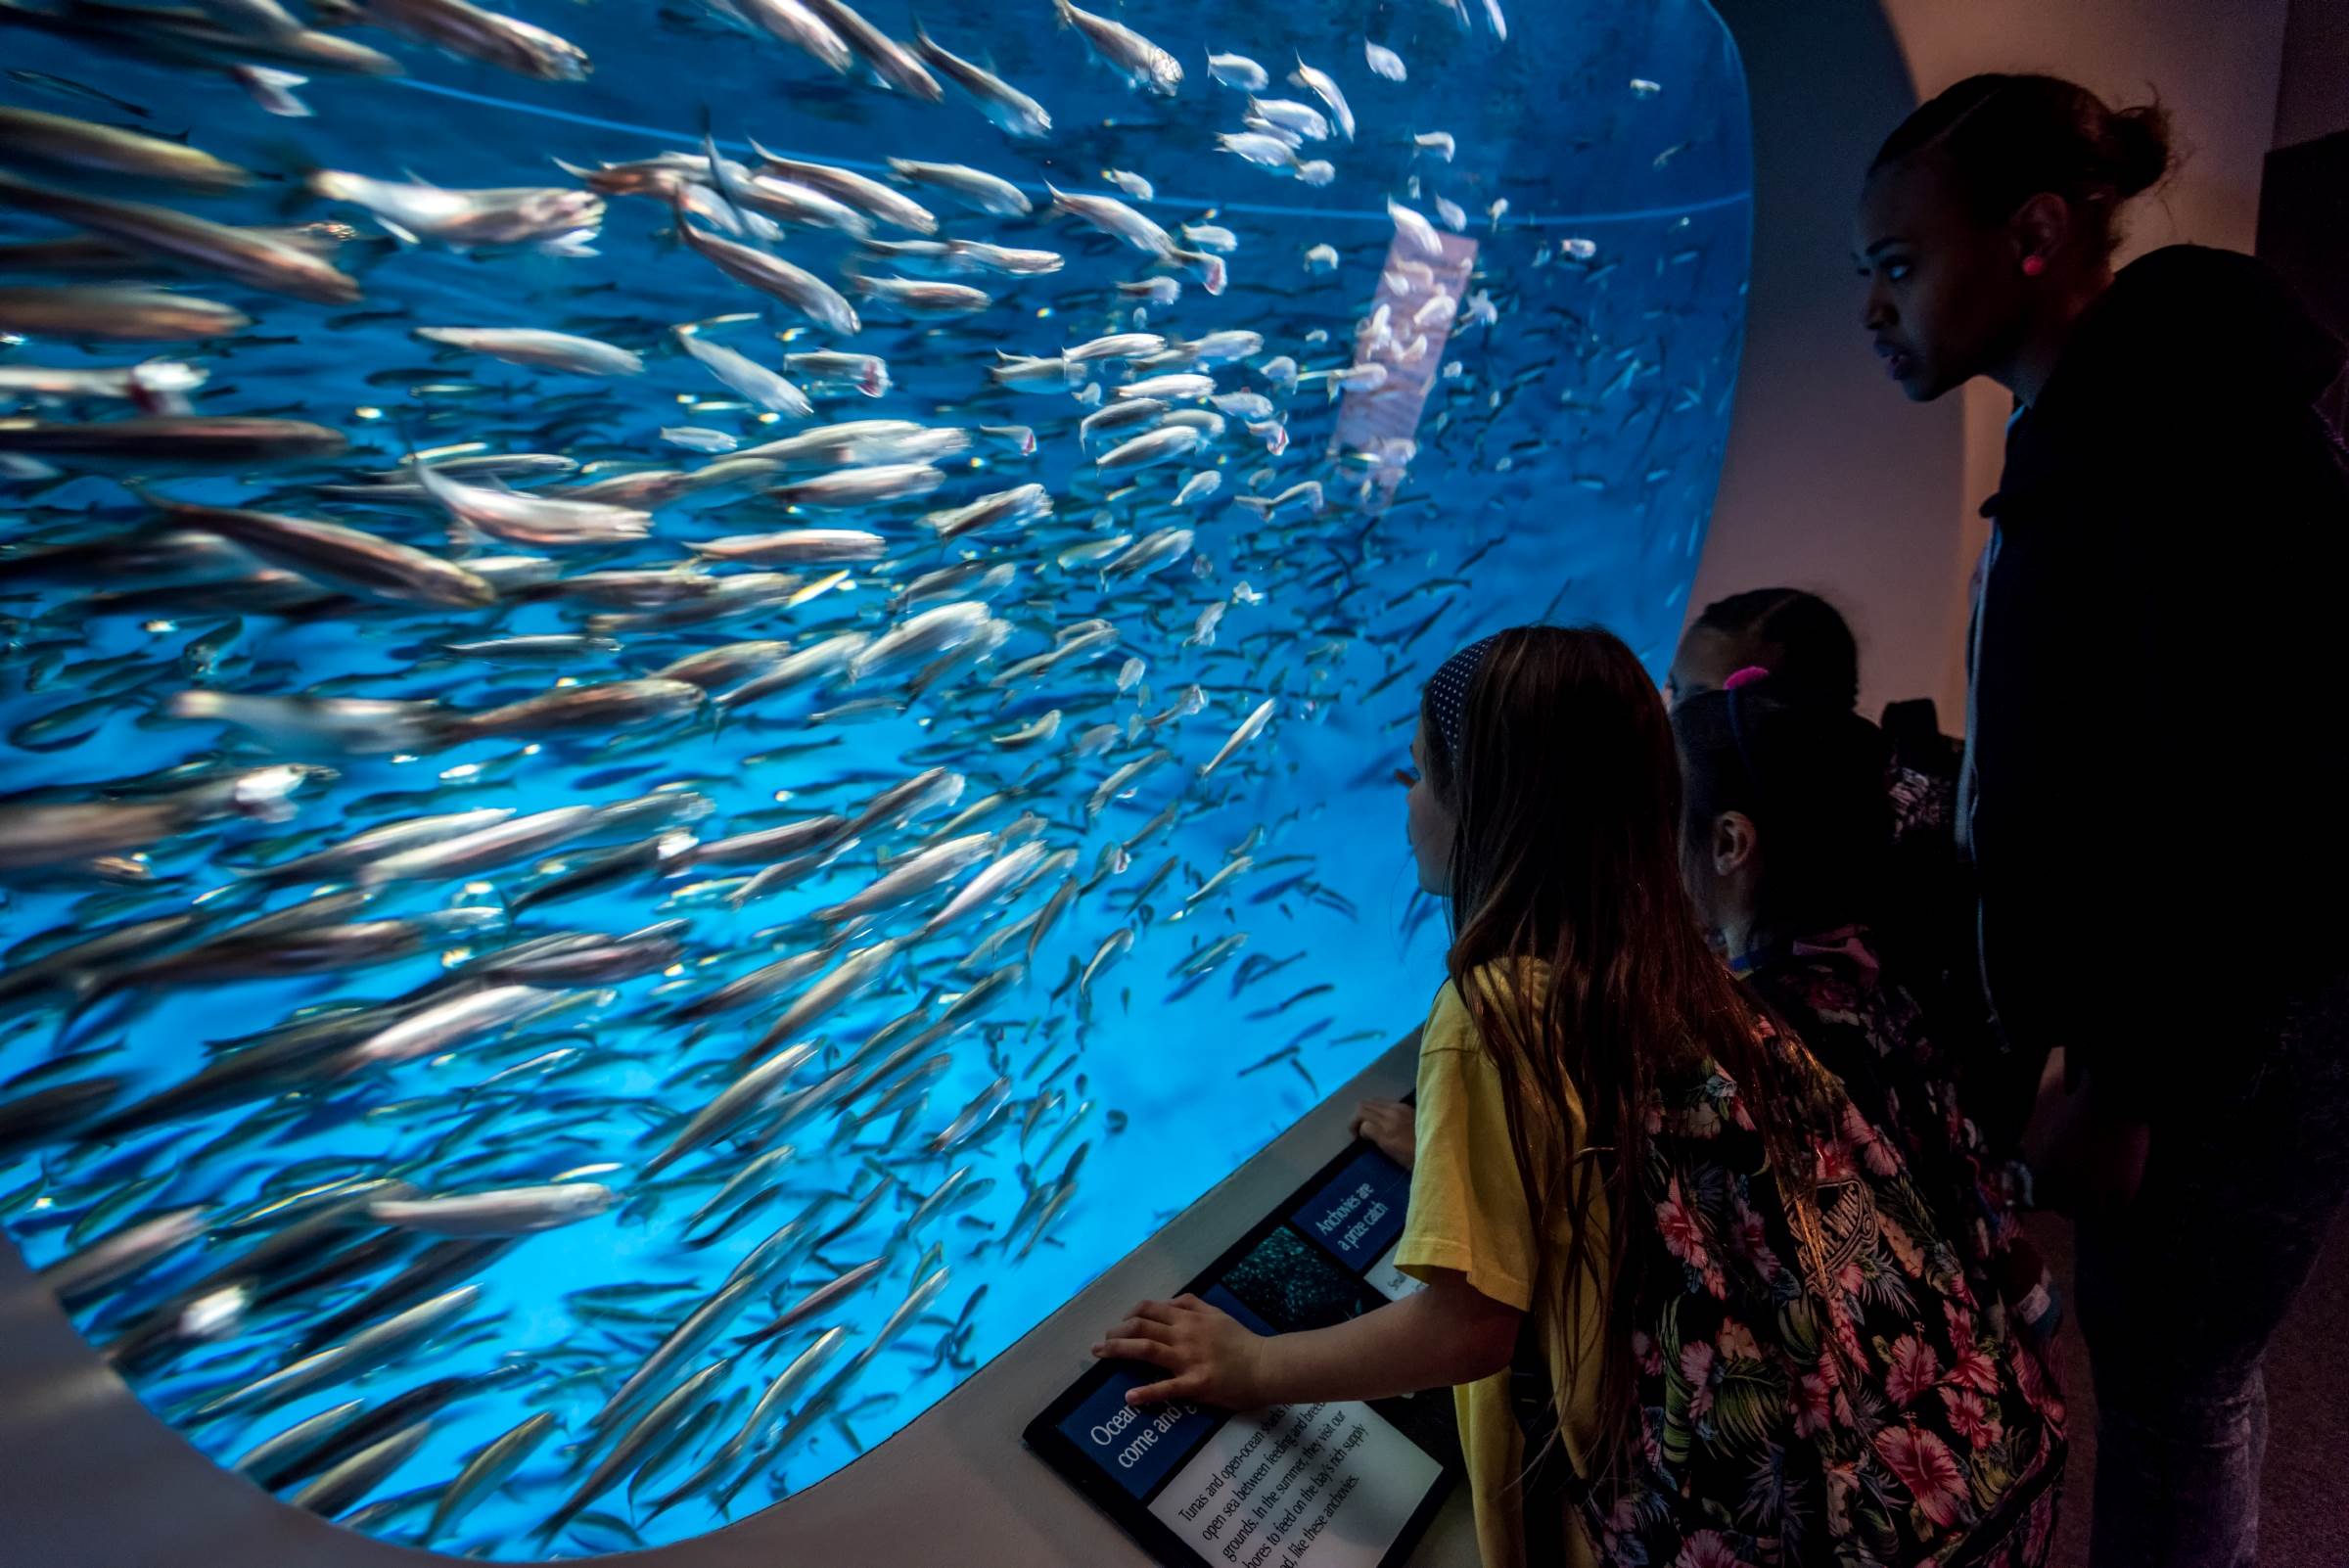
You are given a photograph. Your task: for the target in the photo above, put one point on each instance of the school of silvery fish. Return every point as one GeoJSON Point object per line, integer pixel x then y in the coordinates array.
{"type": "Point", "coordinates": [702, 819]}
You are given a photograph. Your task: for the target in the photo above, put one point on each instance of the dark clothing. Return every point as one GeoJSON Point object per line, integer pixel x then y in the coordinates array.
{"type": "Point", "coordinates": [2180, 1293]}
{"type": "Point", "coordinates": [1928, 926]}
{"type": "Point", "coordinates": [2155, 738]}
{"type": "Point", "coordinates": [2155, 730]}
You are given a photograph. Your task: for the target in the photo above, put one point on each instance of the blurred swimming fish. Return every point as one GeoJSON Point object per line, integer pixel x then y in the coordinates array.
{"type": "Point", "coordinates": [493, 39]}
{"type": "Point", "coordinates": [57, 141]}
{"type": "Point", "coordinates": [531, 345]}
{"type": "Point", "coordinates": [555, 219]}
{"type": "Point", "coordinates": [1143, 65]}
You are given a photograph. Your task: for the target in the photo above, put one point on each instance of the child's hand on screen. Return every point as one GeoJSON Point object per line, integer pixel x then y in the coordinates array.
{"type": "Point", "coordinates": [1390, 1125]}
{"type": "Point", "coordinates": [1215, 1358]}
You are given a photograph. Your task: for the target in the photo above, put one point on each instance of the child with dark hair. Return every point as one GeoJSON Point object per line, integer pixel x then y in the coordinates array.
{"type": "Point", "coordinates": [1695, 1309]}
{"type": "Point", "coordinates": [1808, 647]}
{"type": "Point", "coordinates": [1797, 636]}
{"type": "Point", "coordinates": [2170, 535]}
{"type": "Point", "coordinates": [1783, 845]}
{"type": "Point", "coordinates": [1925, 897]}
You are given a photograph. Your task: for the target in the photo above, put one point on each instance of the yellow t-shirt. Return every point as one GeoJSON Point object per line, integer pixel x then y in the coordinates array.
{"type": "Point", "coordinates": [1468, 1213]}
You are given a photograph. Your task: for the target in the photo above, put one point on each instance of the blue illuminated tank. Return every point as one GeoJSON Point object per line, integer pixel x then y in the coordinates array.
{"type": "Point", "coordinates": [1207, 949]}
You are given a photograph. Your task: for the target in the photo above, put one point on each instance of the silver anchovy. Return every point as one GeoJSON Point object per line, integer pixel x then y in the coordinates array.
{"type": "Point", "coordinates": [848, 979]}
{"type": "Point", "coordinates": [1011, 110]}
{"type": "Point", "coordinates": [704, 1323]}
{"type": "Point", "coordinates": [488, 1468]}
{"type": "Point", "coordinates": [828, 370]}
{"type": "Point", "coordinates": [1238, 71]}
{"type": "Point", "coordinates": [748, 1094]}
{"type": "Point", "coordinates": [775, 277]}
{"type": "Point", "coordinates": [510, 1212]}
{"type": "Point", "coordinates": [1114, 218]}
{"type": "Point", "coordinates": [493, 39]}
{"type": "Point", "coordinates": [1022, 505]}
{"type": "Point", "coordinates": [255, 257]}
{"type": "Point", "coordinates": [975, 188]}
{"type": "Point", "coordinates": [632, 1446]}
{"type": "Point", "coordinates": [1122, 779]}
{"type": "Point", "coordinates": [66, 142]}
{"type": "Point", "coordinates": [550, 217]}
{"type": "Point", "coordinates": [541, 521]}
{"type": "Point", "coordinates": [867, 195]}
{"type": "Point", "coordinates": [125, 1252]}
{"type": "Point", "coordinates": [860, 487]}
{"type": "Point", "coordinates": [919, 636]}
{"type": "Point", "coordinates": [368, 1347]}
{"type": "Point", "coordinates": [890, 59]}
{"type": "Point", "coordinates": [1165, 444]}
{"type": "Point", "coordinates": [299, 1440]}
{"type": "Point", "coordinates": [910, 877]}
{"type": "Point", "coordinates": [334, 1491]}
{"type": "Point", "coordinates": [796, 547]}
{"type": "Point", "coordinates": [747, 377]}
{"type": "Point", "coordinates": [445, 1023]}
{"type": "Point", "coordinates": [1249, 728]}
{"type": "Point", "coordinates": [1143, 64]}
{"type": "Point", "coordinates": [600, 706]}
{"type": "Point", "coordinates": [824, 1296]}
{"type": "Point", "coordinates": [338, 555]}
{"type": "Point", "coordinates": [792, 21]}
{"type": "Point", "coordinates": [757, 1425]}
{"type": "Point", "coordinates": [982, 1110]}
{"type": "Point", "coordinates": [923, 297]}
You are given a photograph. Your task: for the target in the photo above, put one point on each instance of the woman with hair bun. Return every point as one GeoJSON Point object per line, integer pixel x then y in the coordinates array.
{"type": "Point", "coordinates": [2159, 606]}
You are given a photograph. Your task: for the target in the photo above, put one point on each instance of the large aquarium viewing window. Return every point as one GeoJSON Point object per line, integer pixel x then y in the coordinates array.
{"type": "Point", "coordinates": [649, 803]}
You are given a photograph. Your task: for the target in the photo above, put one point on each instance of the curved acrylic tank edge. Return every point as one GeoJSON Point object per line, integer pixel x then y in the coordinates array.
{"type": "Point", "coordinates": [1746, 203]}
{"type": "Point", "coordinates": [261, 1522]}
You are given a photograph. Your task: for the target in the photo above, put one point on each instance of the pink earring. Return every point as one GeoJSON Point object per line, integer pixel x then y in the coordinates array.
{"type": "Point", "coordinates": [2033, 266]}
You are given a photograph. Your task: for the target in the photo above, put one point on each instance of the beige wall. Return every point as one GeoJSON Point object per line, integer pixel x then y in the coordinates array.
{"type": "Point", "coordinates": [1833, 481]}
{"type": "Point", "coordinates": [1870, 499]}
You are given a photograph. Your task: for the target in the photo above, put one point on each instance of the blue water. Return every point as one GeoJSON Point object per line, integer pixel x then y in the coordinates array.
{"type": "Point", "coordinates": [1566, 457]}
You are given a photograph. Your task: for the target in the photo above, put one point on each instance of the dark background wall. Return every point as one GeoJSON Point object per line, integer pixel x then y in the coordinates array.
{"type": "Point", "coordinates": [2304, 202]}
{"type": "Point", "coordinates": [1833, 481]}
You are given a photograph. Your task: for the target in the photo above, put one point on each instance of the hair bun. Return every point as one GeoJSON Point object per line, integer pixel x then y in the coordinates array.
{"type": "Point", "coordinates": [2140, 141]}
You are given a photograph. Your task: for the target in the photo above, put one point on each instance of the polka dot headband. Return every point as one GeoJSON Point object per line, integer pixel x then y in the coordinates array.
{"type": "Point", "coordinates": [1447, 694]}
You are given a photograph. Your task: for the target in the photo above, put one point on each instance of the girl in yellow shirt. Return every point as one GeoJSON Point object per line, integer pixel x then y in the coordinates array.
{"type": "Point", "coordinates": [1692, 1308]}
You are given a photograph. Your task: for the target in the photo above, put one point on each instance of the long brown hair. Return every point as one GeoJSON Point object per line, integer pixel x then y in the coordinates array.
{"type": "Point", "coordinates": [1567, 795]}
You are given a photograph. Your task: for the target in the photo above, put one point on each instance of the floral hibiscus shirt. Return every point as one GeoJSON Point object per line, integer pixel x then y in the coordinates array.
{"type": "Point", "coordinates": [1866, 1028]}
{"type": "Point", "coordinates": [1847, 1403]}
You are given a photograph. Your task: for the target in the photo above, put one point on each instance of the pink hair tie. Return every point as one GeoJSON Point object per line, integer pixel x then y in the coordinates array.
{"type": "Point", "coordinates": [1746, 677]}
